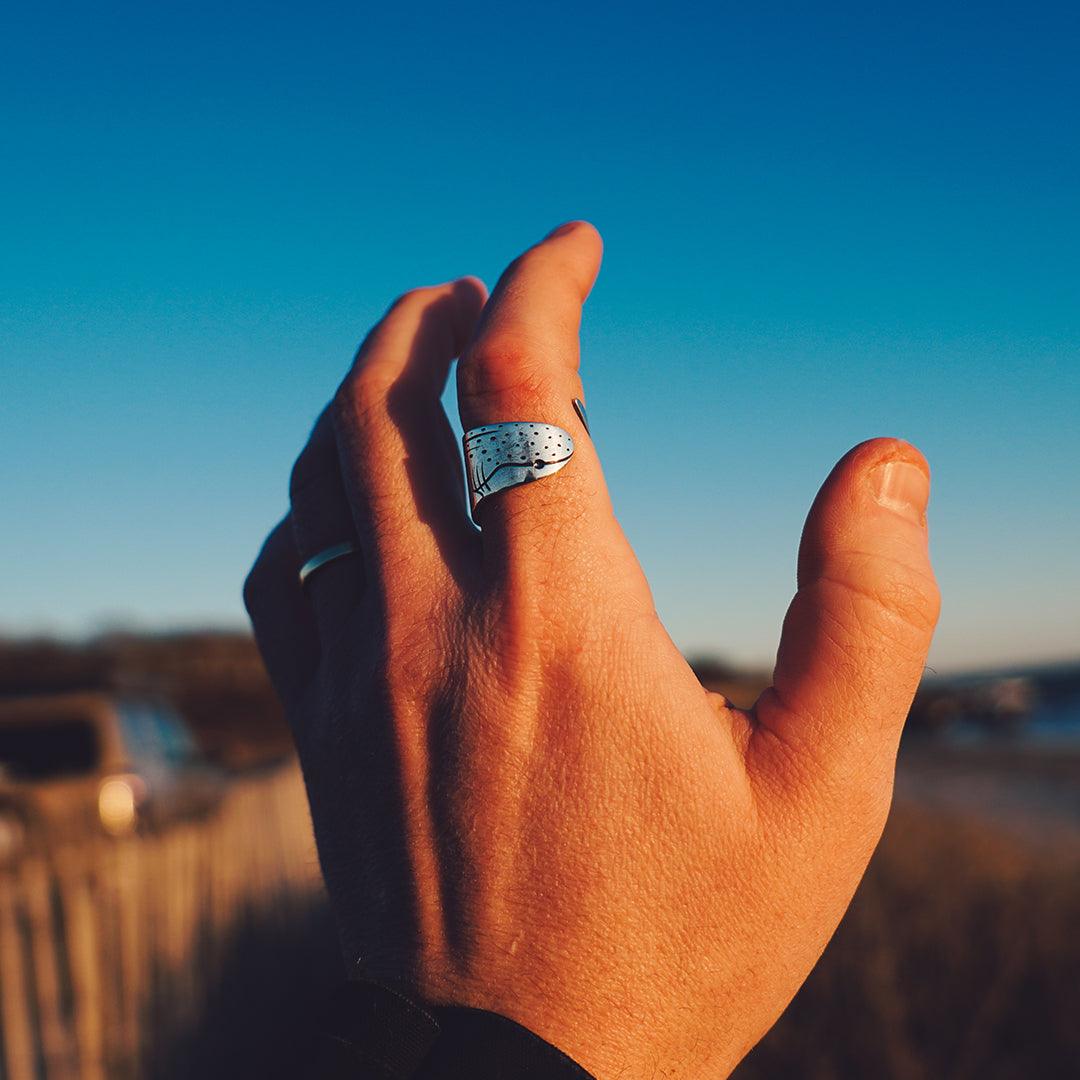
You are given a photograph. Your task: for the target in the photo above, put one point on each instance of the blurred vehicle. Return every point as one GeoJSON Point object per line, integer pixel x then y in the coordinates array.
{"type": "Point", "coordinates": [73, 764]}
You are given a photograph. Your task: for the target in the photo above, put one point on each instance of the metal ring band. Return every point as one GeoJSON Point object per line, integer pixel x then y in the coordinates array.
{"type": "Point", "coordinates": [327, 555]}
{"type": "Point", "coordinates": [501, 456]}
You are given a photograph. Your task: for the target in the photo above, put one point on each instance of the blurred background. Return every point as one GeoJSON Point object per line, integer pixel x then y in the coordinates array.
{"type": "Point", "coordinates": [822, 223]}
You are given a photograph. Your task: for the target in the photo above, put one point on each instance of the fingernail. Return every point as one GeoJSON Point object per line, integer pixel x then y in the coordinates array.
{"type": "Point", "coordinates": [902, 487]}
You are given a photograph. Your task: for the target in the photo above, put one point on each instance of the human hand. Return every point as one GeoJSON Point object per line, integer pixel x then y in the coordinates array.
{"type": "Point", "coordinates": [523, 799]}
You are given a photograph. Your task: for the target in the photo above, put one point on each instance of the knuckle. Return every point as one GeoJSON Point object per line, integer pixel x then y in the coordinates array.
{"type": "Point", "coordinates": [903, 593]}
{"type": "Point", "coordinates": [512, 275]}
{"type": "Point", "coordinates": [270, 564]}
{"type": "Point", "coordinates": [254, 586]}
{"type": "Point", "coordinates": [914, 599]}
{"type": "Point", "coordinates": [418, 647]}
{"type": "Point", "coordinates": [299, 474]}
{"type": "Point", "coordinates": [250, 592]}
{"type": "Point", "coordinates": [406, 670]}
{"type": "Point", "coordinates": [507, 365]}
{"type": "Point", "coordinates": [317, 453]}
{"type": "Point", "coordinates": [361, 396]}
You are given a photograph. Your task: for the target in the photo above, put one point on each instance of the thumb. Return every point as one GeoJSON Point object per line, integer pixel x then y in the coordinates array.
{"type": "Point", "coordinates": [856, 636]}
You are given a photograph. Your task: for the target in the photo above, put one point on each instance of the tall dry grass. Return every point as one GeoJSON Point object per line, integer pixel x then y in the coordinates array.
{"type": "Point", "coordinates": [958, 959]}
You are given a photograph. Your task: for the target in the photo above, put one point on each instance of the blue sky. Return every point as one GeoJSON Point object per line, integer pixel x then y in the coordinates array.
{"type": "Point", "coordinates": [823, 223]}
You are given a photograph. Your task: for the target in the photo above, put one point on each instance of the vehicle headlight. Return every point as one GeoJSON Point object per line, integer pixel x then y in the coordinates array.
{"type": "Point", "coordinates": [118, 803]}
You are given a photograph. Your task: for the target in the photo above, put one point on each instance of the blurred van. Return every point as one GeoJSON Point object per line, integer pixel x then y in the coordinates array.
{"type": "Point", "coordinates": [77, 764]}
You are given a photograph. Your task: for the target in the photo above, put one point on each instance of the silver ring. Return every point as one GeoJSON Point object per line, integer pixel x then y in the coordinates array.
{"type": "Point", "coordinates": [327, 555]}
{"type": "Point", "coordinates": [501, 456]}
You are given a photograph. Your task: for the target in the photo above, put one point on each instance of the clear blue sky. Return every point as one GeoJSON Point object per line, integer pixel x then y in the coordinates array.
{"type": "Point", "coordinates": [823, 223]}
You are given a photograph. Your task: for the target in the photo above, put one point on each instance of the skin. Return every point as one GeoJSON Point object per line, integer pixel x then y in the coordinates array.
{"type": "Point", "coordinates": [523, 799]}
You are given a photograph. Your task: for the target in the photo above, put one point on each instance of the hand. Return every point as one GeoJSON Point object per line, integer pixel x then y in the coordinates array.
{"type": "Point", "coordinates": [523, 799]}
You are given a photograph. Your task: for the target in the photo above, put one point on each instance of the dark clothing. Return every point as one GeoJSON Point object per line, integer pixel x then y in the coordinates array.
{"type": "Point", "coordinates": [376, 1033]}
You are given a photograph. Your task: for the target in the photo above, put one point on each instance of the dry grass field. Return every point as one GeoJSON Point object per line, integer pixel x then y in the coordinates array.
{"type": "Point", "coordinates": [960, 955]}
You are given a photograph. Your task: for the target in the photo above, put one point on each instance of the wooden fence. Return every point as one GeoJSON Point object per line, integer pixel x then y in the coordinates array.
{"type": "Point", "coordinates": [109, 950]}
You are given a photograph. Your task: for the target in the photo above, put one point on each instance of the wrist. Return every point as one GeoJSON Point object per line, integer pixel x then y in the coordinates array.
{"type": "Point", "coordinates": [375, 1029]}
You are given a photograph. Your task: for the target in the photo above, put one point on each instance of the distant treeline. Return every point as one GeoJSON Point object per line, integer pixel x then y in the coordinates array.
{"type": "Point", "coordinates": [215, 679]}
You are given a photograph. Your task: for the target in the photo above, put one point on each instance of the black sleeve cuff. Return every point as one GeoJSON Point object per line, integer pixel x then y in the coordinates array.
{"type": "Point", "coordinates": [376, 1033]}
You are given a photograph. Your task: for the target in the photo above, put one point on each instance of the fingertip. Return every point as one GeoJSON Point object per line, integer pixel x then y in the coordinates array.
{"type": "Point", "coordinates": [431, 321]}
{"type": "Point", "coordinates": [579, 227]}
{"type": "Point", "coordinates": [578, 246]}
{"type": "Point", "coordinates": [583, 235]}
{"type": "Point", "coordinates": [870, 502]}
{"type": "Point", "coordinates": [890, 470]}
{"type": "Point", "coordinates": [470, 295]}
{"type": "Point", "coordinates": [880, 450]}
{"type": "Point", "coordinates": [896, 475]}
{"type": "Point", "coordinates": [470, 289]}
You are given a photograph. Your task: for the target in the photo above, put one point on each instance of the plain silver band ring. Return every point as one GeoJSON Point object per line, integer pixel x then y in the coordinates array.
{"type": "Point", "coordinates": [327, 555]}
